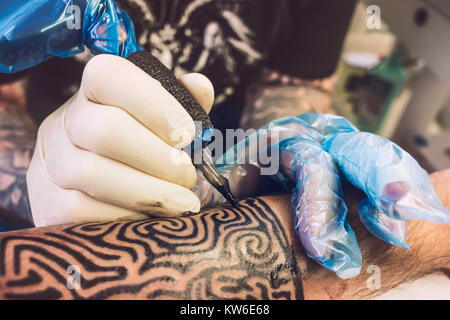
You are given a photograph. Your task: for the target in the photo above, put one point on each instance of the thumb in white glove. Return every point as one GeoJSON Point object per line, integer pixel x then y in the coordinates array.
{"type": "Point", "coordinates": [113, 151]}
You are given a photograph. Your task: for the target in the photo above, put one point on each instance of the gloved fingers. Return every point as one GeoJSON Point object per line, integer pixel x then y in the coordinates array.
{"type": "Point", "coordinates": [289, 127]}
{"type": "Point", "coordinates": [113, 133]}
{"type": "Point", "coordinates": [317, 204]}
{"type": "Point", "coordinates": [200, 88]}
{"type": "Point", "coordinates": [107, 180]}
{"type": "Point", "coordinates": [318, 207]}
{"type": "Point", "coordinates": [391, 230]}
{"type": "Point", "coordinates": [404, 200]}
{"type": "Point", "coordinates": [113, 182]}
{"type": "Point", "coordinates": [114, 81]}
{"type": "Point", "coordinates": [53, 205]}
{"type": "Point", "coordinates": [320, 224]}
{"type": "Point", "coordinates": [394, 182]}
{"type": "Point", "coordinates": [319, 210]}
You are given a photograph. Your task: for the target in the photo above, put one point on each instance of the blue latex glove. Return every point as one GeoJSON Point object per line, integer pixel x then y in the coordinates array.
{"type": "Point", "coordinates": [312, 147]}
{"type": "Point", "coordinates": [317, 206]}
{"type": "Point", "coordinates": [393, 181]}
{"type": "Point", "coordinates": [32, 32]}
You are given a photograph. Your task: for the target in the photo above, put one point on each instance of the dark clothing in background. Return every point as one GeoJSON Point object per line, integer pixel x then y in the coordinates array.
{"type": "Point", "coordinates": [227, 40]}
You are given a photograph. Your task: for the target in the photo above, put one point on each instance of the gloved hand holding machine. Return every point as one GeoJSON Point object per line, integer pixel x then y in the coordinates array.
{"type": "Point", "coordinates": [314, 149]}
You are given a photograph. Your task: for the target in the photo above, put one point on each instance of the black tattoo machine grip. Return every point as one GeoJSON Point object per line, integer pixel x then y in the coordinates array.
{"type": "Point", "coordinates": [152, 66]}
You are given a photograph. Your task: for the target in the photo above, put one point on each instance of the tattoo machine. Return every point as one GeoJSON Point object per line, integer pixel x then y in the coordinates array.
{"type": "Point", "coordinates": [151, 65]}
{"type": "Point", "coordinates": [32, 32]}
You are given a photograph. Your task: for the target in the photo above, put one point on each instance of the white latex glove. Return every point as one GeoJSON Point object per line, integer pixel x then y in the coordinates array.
{"type": "Point", "coordinates": [113, 151]}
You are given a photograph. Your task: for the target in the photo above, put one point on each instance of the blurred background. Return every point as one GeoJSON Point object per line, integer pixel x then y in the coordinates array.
{"type": "Point", "coordinates": [393, 77]}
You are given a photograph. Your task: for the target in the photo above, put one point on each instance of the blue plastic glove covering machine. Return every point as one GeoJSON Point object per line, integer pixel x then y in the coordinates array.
{"type": "Point", "coordinates": [32, 32]}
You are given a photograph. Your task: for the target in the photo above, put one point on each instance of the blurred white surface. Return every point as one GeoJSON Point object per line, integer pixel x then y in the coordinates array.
{"type": "Point", "coordinates": [431, 287]}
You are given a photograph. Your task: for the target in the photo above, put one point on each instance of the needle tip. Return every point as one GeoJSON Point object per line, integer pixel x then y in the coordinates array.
{"type": "Point", "coordinates": [231, 199]}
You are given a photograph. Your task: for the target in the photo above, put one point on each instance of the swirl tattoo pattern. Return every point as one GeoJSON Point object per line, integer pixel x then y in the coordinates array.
{"type": "Point", "coordinates": [221, 253]}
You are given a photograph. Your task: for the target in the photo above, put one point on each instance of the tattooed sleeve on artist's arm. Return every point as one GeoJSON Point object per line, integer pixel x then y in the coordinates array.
{"type": "Point", "coordinates": [221, 253]}
{"type": "Point", "coordinates": [274, 95]}
{"type": "Point", "coordinates": [17, 140]}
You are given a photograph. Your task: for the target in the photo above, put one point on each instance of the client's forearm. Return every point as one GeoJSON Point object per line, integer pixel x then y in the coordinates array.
{"type": "Point", "coordinates": [220, 253]}
{"type": "Point", "coordinates": [384, 266]}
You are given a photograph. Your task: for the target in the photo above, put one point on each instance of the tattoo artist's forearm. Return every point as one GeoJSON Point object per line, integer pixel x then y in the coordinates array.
{"type": "Point", "coordinates": [17, 140]}
{"type": "Point", "coordinates": [223, 253]}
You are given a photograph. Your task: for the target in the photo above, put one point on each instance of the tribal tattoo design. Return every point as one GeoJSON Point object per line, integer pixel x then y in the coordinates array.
{"type": "Point", "coordinates": [221, 253]}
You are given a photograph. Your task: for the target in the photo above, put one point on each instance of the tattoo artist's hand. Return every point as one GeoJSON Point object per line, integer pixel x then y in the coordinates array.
{"type": "Point", "coordinates": [114, 149]}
